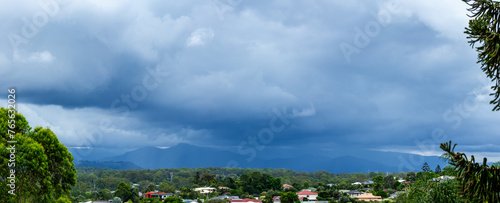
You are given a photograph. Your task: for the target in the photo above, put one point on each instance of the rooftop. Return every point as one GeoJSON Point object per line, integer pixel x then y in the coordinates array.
{"type": "Point", "coordinates": [246, 200]}
{"type": "Point", "coordinates": [306, 192]}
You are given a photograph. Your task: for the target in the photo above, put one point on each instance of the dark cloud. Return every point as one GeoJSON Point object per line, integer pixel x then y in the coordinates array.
{"type": "Point", "coordinates": [224, 68]}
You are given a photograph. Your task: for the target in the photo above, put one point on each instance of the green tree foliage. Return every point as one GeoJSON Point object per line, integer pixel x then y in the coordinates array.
{"type": "Point", "coordinates": [479, 182]}
{"type": "Point", "coordinates": [269, 196]}
{"type": "Point", "coordinates": [267, 199]}
{"type": "Point", "coordinates": [117, 200]}
{"type": "Point", "coordinates": [59, 160]}
{"type": "Point", "coordinates": [389, 181]}
{"type": "Point", "coordinates": [81, 198]}
{"type": "Point", "coordinates": [256, 182]}
{"type": "Point", "coordinates": [166, 187]}
{"type": "Point", "coordinates": [187, 193]}
{"type": "Point", "coordinates": [151, 187]}
{"type": "Point", "coordinates": [217, 201]}
{"type": "Point", "coordinates": [324, 194]}
{"type": "Point", "coordinates": [289, 197]}
{"type": "Point", "coordinates": [63, 199]}
{"type": "Point", "coordinates": [425, 176]}
{"type": "Point", "coordinates": [105, 194]}
{"type": "Point", "coordinates": [379, 182]}
{"type": "Point", "coordinates": [345, 199]}
{"type": "Point", "coordinates": [438, 169]}
{"type": "Point", "coordinates": [156, 200]}
{"type": "Point", "coordinates": [151, 200]}
{"type": "Point", "coordinates": [196, 178]}
{"type": "Point", "coordinates": [417, 193]}
{"type": "Point", "coordinates": [449, 171]}
{"type": "Point", "coordinates": [207, 179]}
{"type": "Point", "coordinates": [431, 192]}
{"type": "Point", "coordinates": [410, 176]}
{"type": "Point", "coordinates": [172, 199]}
{"type": "Point", "coordinates": [426, 168]}
{"type": "Point", "coordinates": [445, 191]}
{"type": "Point", "coordinates": [228, 177]}
{"type": "Point", "coordinates": [484, 33]}
{"type": "Point", "coordinates": [43, 167]}
{"type": "Point", "coordinates": [297, 186]}
{"type": "Point", "coordinates": [124, 192]}
{"type": "Point", "coordinates": [306, 185]}
{"type": "Point", "coordinates": [382, 193]}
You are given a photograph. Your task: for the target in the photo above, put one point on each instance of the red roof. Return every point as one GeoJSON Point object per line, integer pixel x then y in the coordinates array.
{"type": "Point", "coordinates": [148, 195]}
{"type": "Point", "coordinates": [306, 192]}
{"type": "Point", "coordinates": [246, 200]}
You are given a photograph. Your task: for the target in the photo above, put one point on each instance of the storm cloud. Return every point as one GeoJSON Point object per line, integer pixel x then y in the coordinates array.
{"type": "Point", "coordinates": [349, 75]}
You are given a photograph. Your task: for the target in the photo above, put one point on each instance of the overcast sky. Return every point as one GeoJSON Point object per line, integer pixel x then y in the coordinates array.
{"type": "Point", "coordinates": [383, 75]}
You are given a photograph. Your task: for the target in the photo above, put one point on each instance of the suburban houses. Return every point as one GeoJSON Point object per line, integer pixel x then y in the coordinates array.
{"type": "Point", "coordinates": [246, 200]}
{"type": "Point", "coordinates": [160, 195]}
{"type": "Point", "coordinates": [260, 187]}
{"type": "Point", "coordinates": [286, 186]}
{"type": "Point", "coordinates": [307, 195]}
{"type": "Point", "coordinates": [369, 197]}
{"type": "Point", "coordinates": [205, 190]}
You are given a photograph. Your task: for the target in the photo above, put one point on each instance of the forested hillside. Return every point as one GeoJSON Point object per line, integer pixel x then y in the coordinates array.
{"type": "Point", "coordinates": [89, 178]}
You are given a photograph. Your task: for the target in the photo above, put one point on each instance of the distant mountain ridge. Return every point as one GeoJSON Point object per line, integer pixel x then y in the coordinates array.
{"type": "Point", "coordinates": [190, 156]}
{"type": "Point", "coordinates": [116, 165]}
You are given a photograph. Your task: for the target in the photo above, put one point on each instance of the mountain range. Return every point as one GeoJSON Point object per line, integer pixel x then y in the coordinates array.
{"type": "Point", "coordinates": [190, 156]}
{"type": "Point", "coordinates": [117, 165]}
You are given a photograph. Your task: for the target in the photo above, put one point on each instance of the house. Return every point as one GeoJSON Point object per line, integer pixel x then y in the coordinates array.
{"type": "Point", "coordinates": [189, 201]}
{"type": "Point", "coordinates": [440, 178]}
{"type": "Point", "coordinates": [159, 195]}
{"type": "Point", "coordinates": [395, 194]}
{"type": "Point", "coordinates": [306, 201]}
{"type": "Point", "coordinates": [276, 199]}
{"type": "Point", "coordinates": [205, 190]}
{"type": "Point", "coordinates": [148, 194]}
{"type": "Point", "coordinates": [356, 183]}
{"type": "Point", "coordinates": [145, 195]}
{"type": "Point", "coordinates": [401, 180]}
{"type": "Point", "coordinates": [246, 200]}
{"type": "Point", "coordinates": [369, 197]}
{"type": "Point", "coordinates": [368, 182]}
{"type": "Point", "coordinates": [96, 202]}
{"type": "Point", "coordinates": [225, 197]}
{"type": "Point", "coordinates": [224, 188]}
{"type": "Point", "coordinates": [354, 193]}
{"type": "Point", "coordinates": [286, 186]}
{"type": "Point", "coordinates": [307, 194]}
{"type": "Point", "coordinates": [310, 189]}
